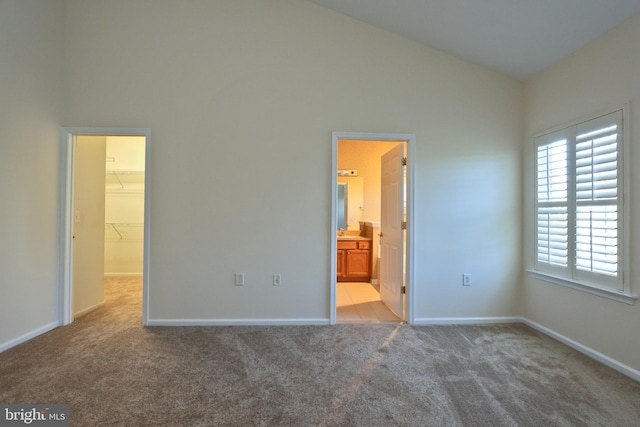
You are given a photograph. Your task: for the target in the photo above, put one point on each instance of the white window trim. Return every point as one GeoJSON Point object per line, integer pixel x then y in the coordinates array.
{"type": "Point", "coordinates": [624, 295]}
{"type": "Point", "coordinates": [585, 287]}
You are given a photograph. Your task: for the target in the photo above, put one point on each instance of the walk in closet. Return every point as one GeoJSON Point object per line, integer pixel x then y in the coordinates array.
{"type": "Point", "coordinates": [124, 206]}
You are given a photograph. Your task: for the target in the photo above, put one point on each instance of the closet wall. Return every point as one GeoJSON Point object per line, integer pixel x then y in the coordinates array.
{"type": "Point", "coordinates": [124, 206]}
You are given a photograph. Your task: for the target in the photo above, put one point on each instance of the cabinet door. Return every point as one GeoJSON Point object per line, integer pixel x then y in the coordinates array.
{"type": "Point", "coordinates": [340, 264]}
{"type": "Point", "coordinates": [357, 263]}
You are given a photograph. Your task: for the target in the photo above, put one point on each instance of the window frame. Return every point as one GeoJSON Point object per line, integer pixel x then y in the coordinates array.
{"type": "Point", "coordinates": [618, 288]}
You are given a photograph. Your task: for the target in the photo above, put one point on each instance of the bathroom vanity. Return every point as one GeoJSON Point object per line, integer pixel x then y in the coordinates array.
{"type": "Point", "coordinates": [354, 259]}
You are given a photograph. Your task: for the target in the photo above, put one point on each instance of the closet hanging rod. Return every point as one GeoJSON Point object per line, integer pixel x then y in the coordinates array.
{"type": "Point", "coordinates": [115, 174]}
{"type": "Point", "coordinates": [114, 226]}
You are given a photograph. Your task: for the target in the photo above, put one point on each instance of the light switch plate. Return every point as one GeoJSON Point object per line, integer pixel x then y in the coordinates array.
{"type": "Point", "coordinates": [239, 279]}
{"type": "Point", "coordinates": [466, 279]}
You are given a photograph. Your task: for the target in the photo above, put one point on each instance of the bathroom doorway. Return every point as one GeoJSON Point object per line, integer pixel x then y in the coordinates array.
{"type": "Point", "coordinates": [355, 292]}
{"type": "Point", "coordinates": [104, 230]}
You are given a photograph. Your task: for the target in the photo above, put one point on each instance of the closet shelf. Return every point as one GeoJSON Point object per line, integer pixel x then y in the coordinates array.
{"type": "Point", "coordinates": [133, 231]}
{"type": "Point", "coordinates": [125, 178]}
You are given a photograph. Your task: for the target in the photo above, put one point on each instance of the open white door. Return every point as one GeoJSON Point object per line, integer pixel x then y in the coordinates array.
{"type": "Point", "coordinates": [88, 223]}
{"type": "Point", "coordinates": [392, 233]}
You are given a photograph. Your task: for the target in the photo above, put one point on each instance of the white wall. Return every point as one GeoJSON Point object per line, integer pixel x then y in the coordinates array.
{"type": "Point", "coordinates": [242, 98]}
{"type": "Point", "coordinates": [602, 75]}
{"type": "Point", "coordinates": [31, 108]}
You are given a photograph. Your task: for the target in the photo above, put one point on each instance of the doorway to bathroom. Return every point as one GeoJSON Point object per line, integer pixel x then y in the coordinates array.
{"type": "Point", "coordinates": [371, 231]}
{"type": "Point", "coordinates": [104, 229]}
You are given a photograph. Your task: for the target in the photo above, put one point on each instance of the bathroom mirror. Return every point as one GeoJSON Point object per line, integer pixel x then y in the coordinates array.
{"type": "Point", "coordinates": [350, 206]}
{"type": "Point", "coordinates": [343, 205]}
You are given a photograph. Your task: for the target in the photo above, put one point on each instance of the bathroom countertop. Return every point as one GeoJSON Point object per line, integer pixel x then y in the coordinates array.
{"type": "Point", "coordinates": [348, 237]}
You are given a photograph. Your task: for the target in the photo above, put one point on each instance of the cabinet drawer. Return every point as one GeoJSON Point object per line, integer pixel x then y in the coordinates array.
{"type": "Point", "coordinates": [347, 244]}
{"type": "Point", "coordinates": [364, 244]}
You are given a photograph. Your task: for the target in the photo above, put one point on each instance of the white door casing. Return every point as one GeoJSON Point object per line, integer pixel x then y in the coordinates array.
{"type": "Point", "coordinates": [410, 141]}
{"type": "Point", "coordinates": [67, 136]}
{"type": "Point", "coordinates": [392, 233]}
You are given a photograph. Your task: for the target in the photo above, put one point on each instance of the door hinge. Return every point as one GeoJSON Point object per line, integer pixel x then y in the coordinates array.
{"type": "Point", "coordinates": [404, 161]}
{"type": "Point", "coordinates": [403, 290]}
{"type": "Point", "coordinates": [403, 225]}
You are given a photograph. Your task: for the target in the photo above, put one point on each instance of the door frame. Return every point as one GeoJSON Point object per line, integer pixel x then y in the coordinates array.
{"type": "Point", "coordinates": [410, 140]}
{"type": "Point", "coordinates": [67, 168]}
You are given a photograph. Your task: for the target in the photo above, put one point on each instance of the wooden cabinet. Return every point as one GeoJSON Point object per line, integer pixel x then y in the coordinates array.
{"type": "Point", "coordinates": [354, 261]}
{"type": "Point", "coordinates": [340, 264]}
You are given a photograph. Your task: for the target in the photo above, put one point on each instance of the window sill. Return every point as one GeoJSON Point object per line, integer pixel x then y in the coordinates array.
{"type": "Point", "coordinates": [602, 292]}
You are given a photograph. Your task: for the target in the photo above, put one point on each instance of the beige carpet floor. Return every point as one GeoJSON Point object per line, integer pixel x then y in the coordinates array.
{"type": "Point", "coordinates": [112, 371]}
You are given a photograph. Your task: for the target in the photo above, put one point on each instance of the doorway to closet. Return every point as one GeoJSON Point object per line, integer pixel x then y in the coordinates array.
{"type": "Point", "coordinates": [105, 225]}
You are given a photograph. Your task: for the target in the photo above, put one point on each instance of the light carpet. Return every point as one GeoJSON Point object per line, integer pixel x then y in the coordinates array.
{"type": "Point", "coordinates": [113, 371]}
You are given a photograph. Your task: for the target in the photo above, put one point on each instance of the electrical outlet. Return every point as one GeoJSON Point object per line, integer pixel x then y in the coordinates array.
{"type": "Point", "coordinates": [277, 280]}
{"type": "Point", "coordinates": [239, 279]}
{"type": "Point", "coordinates": [466, 279]}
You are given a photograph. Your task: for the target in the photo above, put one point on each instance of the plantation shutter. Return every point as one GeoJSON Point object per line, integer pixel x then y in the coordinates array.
{"type": "Point", "coordinates": [552, 206]}
{"type": "Point", "coordinates": [597, 191]}
{"type": "Point", "coordinates": [578, 205]}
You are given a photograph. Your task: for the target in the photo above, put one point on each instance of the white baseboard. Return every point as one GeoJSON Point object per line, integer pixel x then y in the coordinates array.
{"type": "Point", "coordinates": [29, 335]}
{"type": "Point", "coordinates": [587, 351]}
{"type": "Point", "coordinates": [236, 322]}
{"type": "Point", "coordinates": [426, 321]}
{"type": "Point", "coordinates": [88, 310]}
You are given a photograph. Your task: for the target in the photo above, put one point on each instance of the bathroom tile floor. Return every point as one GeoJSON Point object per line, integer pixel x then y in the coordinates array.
{"type": "Point", "coordinates": [359, 302]}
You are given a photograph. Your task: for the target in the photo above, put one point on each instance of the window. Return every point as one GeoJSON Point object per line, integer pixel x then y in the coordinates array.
{"type": "Point", "coordinates": [579, 203]}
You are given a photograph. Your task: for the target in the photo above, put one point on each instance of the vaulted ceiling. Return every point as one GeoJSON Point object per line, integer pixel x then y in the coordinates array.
{"type": "Point", "coordinates": [518, 38]}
